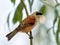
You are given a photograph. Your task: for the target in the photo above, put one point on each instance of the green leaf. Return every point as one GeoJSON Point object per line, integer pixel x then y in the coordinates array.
{"type": "Point", "coordinates": [30, 3]}
{"type": "Point", "coordinates": [13, 1]}
{"type": "Point", "coordinates": [57, 37]}
{"type": "Point", "coordinates": [59, 24]}
{"type": "Point", "coordinates": [18, 13]}
{"type": "Point", "coordinates": [57, 32]}
{"type": "Point", "coordinates": [43, 9]}
{"type": "Point", "coordinates": [56, 16]}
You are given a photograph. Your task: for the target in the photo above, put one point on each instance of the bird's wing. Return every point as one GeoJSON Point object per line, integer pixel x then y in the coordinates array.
{"type": "Point", "coordinates": [29, 21]}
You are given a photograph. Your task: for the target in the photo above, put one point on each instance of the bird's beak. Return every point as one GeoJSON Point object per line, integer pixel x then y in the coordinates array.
{"type": "Point", "coordinates": [42, 19]}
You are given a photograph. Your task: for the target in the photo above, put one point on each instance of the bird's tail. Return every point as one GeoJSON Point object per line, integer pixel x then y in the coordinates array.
{"type": "Point", "coordinates": [10, 35]}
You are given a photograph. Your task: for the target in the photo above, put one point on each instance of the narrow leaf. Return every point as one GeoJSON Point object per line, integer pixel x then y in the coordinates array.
{"type": "Point", "coordinates": [18, 13]}
{"type": "Point", "coordinates": [13, 1]}
{"type": "Point", "coordinates": [59, 24]}
{"type": "Point", "coordinates": [43, 9]}
{"type": "Point", "coordinates": [57, 37]}
{"type": "Point", "coordinates": [8, 21]}
{"type": "Point", "coordinates": [57, 32]}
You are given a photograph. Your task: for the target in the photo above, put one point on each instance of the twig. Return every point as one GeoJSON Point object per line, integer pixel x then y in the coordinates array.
{"type": "Point", "coordinates": [31, 37]}
{"type": "Point", "coordinates": [24, 7]}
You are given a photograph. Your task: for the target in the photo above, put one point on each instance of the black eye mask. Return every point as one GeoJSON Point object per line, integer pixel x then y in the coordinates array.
{"type": "Point", "coordinates": [38, 13]}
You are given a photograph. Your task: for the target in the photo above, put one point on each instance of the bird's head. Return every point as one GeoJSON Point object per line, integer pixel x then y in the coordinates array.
{"type": "Point", "coordinates": [40, 17]}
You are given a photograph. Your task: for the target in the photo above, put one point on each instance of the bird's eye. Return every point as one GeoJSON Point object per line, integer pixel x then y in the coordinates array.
{"type": "Point", "coordinates": [38, 13]}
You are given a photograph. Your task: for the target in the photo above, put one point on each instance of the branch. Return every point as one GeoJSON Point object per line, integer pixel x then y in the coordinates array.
{"type": "Point", "coordinates": [27, 16]}
{"type": "Point", "coordinates": [31, 37]}
{"type": "Point", "coordinates": [24, 7]}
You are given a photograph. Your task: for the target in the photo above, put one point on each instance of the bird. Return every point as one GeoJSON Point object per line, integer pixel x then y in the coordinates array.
{"type": "Point", "coordinates": [26, 25]}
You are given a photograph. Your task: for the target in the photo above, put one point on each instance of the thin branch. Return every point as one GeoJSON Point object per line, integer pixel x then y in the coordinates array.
{"type": "Point", "coordinates": [24, 7]}
{"type": "Point", "coordinates": [31, 37]}
{"type": "Point", "coordinates": [27, 16]}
